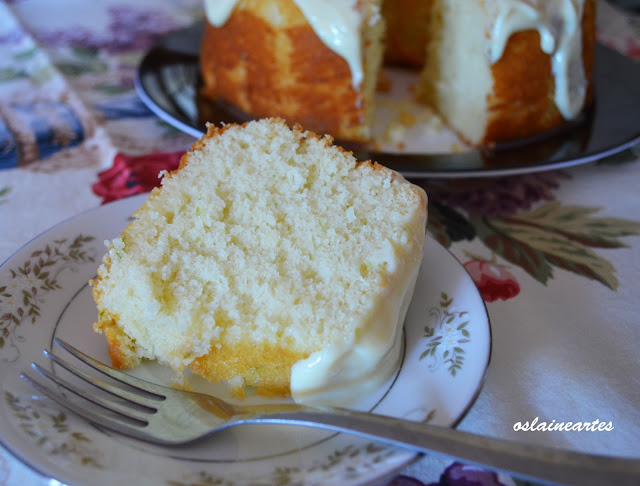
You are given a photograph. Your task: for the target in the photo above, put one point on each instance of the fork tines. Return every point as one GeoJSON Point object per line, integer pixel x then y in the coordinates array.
{"type": "Point", "coordinates": [124, 407]}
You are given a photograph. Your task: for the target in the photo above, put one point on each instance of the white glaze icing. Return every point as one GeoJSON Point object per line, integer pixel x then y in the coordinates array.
{"type": "Point", "coordinates": [559, 25]}
{"type": "Point", "coordinates": [218, 11]}
{"type": "Point", "coordinates": [340, 373]}
{"type": "Point", "coordinates": [336, 22]}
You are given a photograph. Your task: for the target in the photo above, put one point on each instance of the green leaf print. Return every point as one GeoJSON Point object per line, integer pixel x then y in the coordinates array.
{"type": "Point", "coordinates": [553, 235]}
{"type": "Point", "coordinates": [561, 251]}
{"type": "Point", "coordinates": [575, 223]}
{"type": "Point", "coordinates": [26, 54]}
{"type": "Point", "coordinates": [521, 254]}
{"type": "Point", "coordinates": [11, 74]}
{"type": "Point", "coordinates": [87, 53]}
{"type": "Point", "coordinates": [73, 69]}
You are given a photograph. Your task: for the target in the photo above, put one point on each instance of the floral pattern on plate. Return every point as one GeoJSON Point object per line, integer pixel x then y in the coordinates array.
{"type": "Point", "coordinates": [23, 293]}
{"type": "Point", "coordinates": [65, 447]}
{"type": "Point", "coordinates": [49, 428]}
{"type": "Point", "coordinates": [448, 336]}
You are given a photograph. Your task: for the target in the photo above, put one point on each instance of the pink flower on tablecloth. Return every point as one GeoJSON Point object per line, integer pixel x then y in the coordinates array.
{"type": "Point", "coordinates": [493, 281]}
{"type": "Point", "coordinates": [632, 48]}
{"type": "Point", "coordinates": [627, 45]}
{"type": "Point", "coordinates": [131, 175]}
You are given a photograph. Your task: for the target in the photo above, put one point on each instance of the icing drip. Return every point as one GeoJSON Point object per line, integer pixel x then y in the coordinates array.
{"type": "Point", "coordinates": [218, 11]}
{"type": "Point", "coordinates": [559, 24]}
{"type": "Point", "coordinates": [336, 22]}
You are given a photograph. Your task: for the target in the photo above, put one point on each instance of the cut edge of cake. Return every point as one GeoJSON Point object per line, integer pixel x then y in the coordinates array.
{"type": "Point", "coordinates": [185, 324]}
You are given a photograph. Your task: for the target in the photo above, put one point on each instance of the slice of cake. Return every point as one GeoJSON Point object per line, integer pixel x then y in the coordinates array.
{"type": "Point", "coordinates": [269, 259]}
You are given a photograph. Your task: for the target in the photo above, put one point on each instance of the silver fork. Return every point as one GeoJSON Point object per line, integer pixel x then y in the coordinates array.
{"type": "Point", "coordinates": [167, 416]}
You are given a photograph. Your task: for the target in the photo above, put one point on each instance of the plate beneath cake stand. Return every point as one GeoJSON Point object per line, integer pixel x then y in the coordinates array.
{"type": "Point", "coordinates": [446, 352]}
{"type": "Point", "coordinates": [168, 78]}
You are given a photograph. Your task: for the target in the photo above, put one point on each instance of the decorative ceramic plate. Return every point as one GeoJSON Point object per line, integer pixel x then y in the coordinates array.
{"type": "Point", "coordinates": [44, 294]}
{"type": "Point", "coordinates": [168, 79]}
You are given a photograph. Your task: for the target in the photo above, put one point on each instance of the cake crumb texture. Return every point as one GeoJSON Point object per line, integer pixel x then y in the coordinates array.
{"type": "Point", "coordinates": [267, 244]}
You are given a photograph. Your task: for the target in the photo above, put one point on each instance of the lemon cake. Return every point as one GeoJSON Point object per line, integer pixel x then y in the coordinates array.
{"type": "Point", "coordinates": [494, 70]}
{"type": "Point", "coordinates": [270, 259]}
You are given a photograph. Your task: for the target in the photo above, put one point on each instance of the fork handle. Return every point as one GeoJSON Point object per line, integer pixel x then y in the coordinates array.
{"type": "Point", "coordinates": [525, 461]}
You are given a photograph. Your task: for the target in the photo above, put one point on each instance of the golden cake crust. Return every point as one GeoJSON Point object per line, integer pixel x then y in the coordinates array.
{"type": "Point", "coordinates": [281, 70]}
{"type": "Point", "coordinates": [257, 364]}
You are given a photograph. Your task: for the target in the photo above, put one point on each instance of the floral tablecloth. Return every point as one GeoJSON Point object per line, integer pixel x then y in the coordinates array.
{"type": "Point", "coordinates": [555, 255]}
